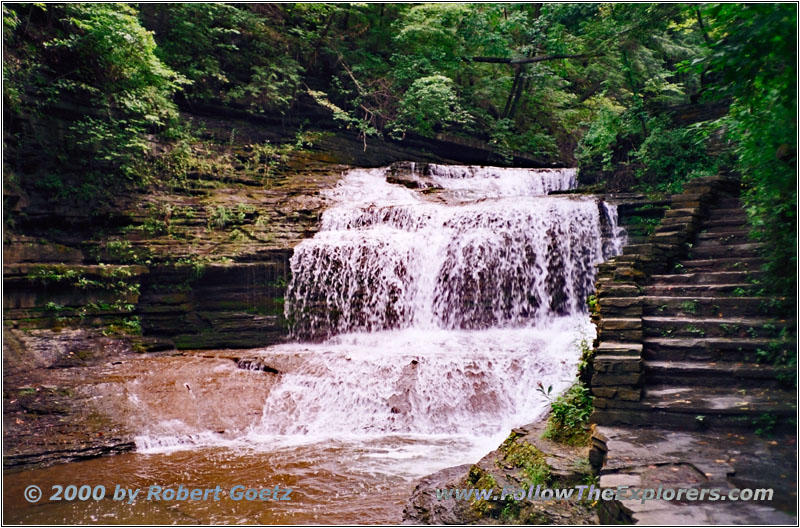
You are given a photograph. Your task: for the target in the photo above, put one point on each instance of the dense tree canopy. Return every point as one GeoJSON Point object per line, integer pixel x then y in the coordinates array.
{"type": "Point", "coordinates": [590, 84]}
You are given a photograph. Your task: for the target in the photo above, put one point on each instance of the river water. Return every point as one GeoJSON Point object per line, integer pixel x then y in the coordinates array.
{"type": "Point", "coordinates": [423, 320]}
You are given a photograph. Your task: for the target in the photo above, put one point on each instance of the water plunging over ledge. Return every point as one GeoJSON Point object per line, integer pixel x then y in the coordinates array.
{"type": "Point", "coordinates": [423, 319]}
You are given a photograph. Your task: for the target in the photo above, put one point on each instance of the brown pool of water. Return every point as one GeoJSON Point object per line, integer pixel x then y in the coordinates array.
{"type": "Point", "coordinates": [326, 489]}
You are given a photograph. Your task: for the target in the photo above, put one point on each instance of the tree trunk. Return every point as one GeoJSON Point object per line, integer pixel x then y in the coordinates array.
{"type": "Point", "coordinates": [507, 107]}
{"type": "Point", "coordinates": [522, 86]}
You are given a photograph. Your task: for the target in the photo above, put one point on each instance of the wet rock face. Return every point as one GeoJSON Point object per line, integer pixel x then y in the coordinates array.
{"type": "Point", "coordinates": [423, 506]}
{"type": "Point", "coordinates": [49, 409]}
{"type": "Point", "coordinates": [72, 394]}
{"type": "Point", "coordinates": [235, 305]}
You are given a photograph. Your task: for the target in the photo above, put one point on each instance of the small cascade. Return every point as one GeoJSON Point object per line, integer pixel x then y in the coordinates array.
{"type": "Point", "coordinates": [489, 182]}
{"type": "Point", "coordinates": [421, 382]}
{"type": "Point", "coordinates": [615, 237]}
{"type": "Point", "coordinates": [388, 258]}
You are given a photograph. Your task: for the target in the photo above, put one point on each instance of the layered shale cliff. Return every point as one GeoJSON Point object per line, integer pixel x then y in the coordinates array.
{"type": "Point", "coordinates": [198, 259]}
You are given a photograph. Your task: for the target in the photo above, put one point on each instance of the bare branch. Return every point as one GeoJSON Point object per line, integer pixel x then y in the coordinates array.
{"type": "Point", "coordinates": [529, 60]}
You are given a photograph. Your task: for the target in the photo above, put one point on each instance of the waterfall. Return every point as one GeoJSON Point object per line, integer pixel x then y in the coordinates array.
{"type": "Point", "coordinates": [425, 313]}
{"type": "Point", "coordinates": [388, 258]}
{"type": "Point", "coordinates": [413, 381]}
{"type": "Point", "coordinates": [615, 235]}
{"type": "Point", "coordinates": [436, 316]}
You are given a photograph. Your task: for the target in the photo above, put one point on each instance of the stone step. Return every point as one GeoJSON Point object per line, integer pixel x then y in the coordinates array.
{"type": "Point", "coordinates": [636, 239]}
{"type": "Point", "coordinates": [720, 400]}
{"type": "Point", "coordinates": [656, 326]}
{"type": "Point", "coordinates": [695, 290]}
{"type": "Point", "coordinates": [702, 408]}
{"type": "Point", "coordinates": [734, 221]}
{"type": "Point", "coordinates": [725, 230]}
{"type": "Point", "coordinates": [722, 264]}
{"type": "Point", "coordinates": [683, 212]}
{"type": "Point", "coordinates": [615, 329]}
{"type": "Point", "coordinates": [610, 348]}
{"type": "Point", "coordinates": [636, 249]}
{"type": "Point", "coordinates": [734, 250]}
{"type": "Point", "coordinates": [722, 239]}
{"type": "Point", "coordinates": [708, 348]}
{"type": "Point", "coordinates": [711, 374]}
{"type": "Point", "coordinates": [707, 277]}
{"type": "Point", "coordinates": [734, 212]}
{"type": "Point", "coordinates": [705, 306]}
{"type": "Point", "coordinates": [635, 229]}
{"type": "Point", "coordinates": [728, 203]}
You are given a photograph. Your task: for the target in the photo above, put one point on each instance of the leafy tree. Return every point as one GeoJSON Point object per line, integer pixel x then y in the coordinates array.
{"type": "Point", "coordinates": [94, 68]}
{"type": "Point", "coordinates": [230, 54]}
{"type": "Point", "coordinates": [752, 49]}
{"type": "Point", "coordinates": [429, 105]}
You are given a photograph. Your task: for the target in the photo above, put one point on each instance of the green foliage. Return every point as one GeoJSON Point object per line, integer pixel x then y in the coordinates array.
{"type": "Point", "coordinates": [348, 120]}
{"type": "Point", "coordinates": [114, 283]}
{"type": "Point", "coordinates": [429, 105]}
{"type": "Point", "coordinates": [586, 360]}
{"type": "Point", "coordinates": [220, 217]}
{"type": "Point", "coordinates": [668, 156]}
{"type": "Point", "coordinates": [595, 147]}
{"type": "Point", "coordinates": [765, 424]}
{"type": "Point", "coordinates": [90, 88]}
{"type": "Point", "coordinates": [569, 414]}
{"type": "Point", "coordinates": [523, 455]}
{"type": "Point", "coordinates": [648, 224]}
{"type": "Point", "coordinates": [229, 52]}
{"type": "Point", "coordinates": [752, 50]}
{"type": "Point", "coordinates": [781, 353]}
{"type": "Point", "coordinates": [95, 65]}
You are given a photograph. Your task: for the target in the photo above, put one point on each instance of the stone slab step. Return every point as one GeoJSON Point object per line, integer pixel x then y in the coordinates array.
{"type": "Point", "coordinates": [711, 327]}
{"type": "Point", "coordinates": [735, 212]}
{"type": "Point", "coordinates": [724, 231]}
{"type": "Point", "coordinates": [720, 400]}
{"type": "Point", "coordinates": [723, 264]}
{"type": "Point", "coordinates": [728, 240]}
{"type": "Point", "coordinates": [610, 348]}
{"type": "Point", "coordinates": [635, 249]}
{"type": "Point", "coordinates": [737, 221]}
{"type": "Point", "coordinates": [734, 250]}
{"type": "Point", "coordinates": [637, 239]}
{"type": "Point", "coordinates": [728, 203]}
{"type": "Point", "coordinates": [703, 408]}
{"type": "Point", "coordinates": [696, 419]}
{"type": "Point", "coordinates": [707, 277]}
{"type": "Point", "coordinates": [722, 239]}
{"type": "Point", "coordinates": [705, 306]}
{"type": "Point", "coordinates": [683, 212]}
{"type": "Point", "coordinates": [742, 375]}
{"type": "Point", "coordinates": [707, 348]}
{"type": "Point", "coordinates": [695, 290]}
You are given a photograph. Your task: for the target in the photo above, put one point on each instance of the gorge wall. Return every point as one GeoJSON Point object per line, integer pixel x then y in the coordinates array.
{"type": "Point", "coordinates": [194, 263]}
{"type": "Point", "coordinates": [200, 262]}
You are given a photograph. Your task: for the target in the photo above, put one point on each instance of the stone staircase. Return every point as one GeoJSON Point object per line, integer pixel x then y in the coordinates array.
{"type": "Point", "coordinates": [681, 320]}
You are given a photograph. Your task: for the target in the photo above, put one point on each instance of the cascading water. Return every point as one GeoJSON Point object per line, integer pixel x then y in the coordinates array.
{"type": "Point", "coordinates": [421, 314]}
{"type": "Point", "coordinates": [387, 258]}
{"type": "Point", "coordinates": [437, 317]}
